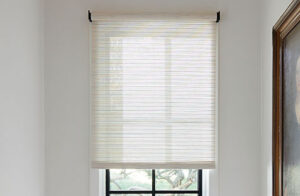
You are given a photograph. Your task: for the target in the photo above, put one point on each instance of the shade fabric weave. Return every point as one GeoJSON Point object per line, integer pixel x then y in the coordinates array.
{"type": "Point", "coordinates": [153, 98]}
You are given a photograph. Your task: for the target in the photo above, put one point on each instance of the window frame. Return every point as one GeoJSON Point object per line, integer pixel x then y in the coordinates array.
{"type": "Point", "coordinates": [153, 190]}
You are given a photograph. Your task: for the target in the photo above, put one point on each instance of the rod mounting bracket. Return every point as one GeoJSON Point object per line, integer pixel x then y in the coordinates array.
{"type": "Point", "coordinates": [218, 17]}
{"type": "Point", "coordinates": [90, 16]}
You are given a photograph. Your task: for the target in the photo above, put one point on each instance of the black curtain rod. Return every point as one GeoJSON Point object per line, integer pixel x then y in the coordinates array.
{"type": "Point", "coordinates": [217, 21]}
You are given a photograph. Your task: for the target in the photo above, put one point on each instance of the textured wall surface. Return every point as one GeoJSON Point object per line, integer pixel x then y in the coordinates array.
{"type": "Point", "coordinates": [22, 150]}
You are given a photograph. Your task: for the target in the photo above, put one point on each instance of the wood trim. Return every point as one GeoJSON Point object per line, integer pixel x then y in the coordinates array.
{"type": "Point", "coordinates": [282, 28]}
{"type": "Point", "coordinates": [277, 135]}
{"type": "Point", "coordinates": [287, 16]}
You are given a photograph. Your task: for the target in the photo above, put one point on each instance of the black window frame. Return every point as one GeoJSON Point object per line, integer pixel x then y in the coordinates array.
{"type": "Point", "coordinates": [153, 192]}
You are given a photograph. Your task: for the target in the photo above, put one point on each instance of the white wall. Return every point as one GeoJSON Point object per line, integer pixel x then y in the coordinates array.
{"type": "Point", "coordinates": [66, 97]}
{"type": "Point", "coordinates": [21, 99]}
{"type": "Point", "coordinates": [271, 10]}
{"type": "Point", "coordinates": [239, 98]}
{"type": "Point", "coordinates": [67, 90]}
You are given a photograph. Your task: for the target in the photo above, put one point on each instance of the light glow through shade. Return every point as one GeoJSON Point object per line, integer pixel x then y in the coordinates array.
{"type": "Point", "coordinates": [153, 93]}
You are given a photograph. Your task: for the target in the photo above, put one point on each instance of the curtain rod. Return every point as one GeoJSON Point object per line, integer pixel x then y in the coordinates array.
{"type": "Point", "coordinates": [217, 20]}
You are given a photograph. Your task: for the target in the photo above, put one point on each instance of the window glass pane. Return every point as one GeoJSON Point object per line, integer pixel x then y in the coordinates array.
{"type": "Point", "coordinates": [181, 194]}
{"type": "Point", "coordinates": [132, 195]}
{"type": "Point", "coordinates": [130, 179]}
{"type": "Point", "coordinates": [176, 179]}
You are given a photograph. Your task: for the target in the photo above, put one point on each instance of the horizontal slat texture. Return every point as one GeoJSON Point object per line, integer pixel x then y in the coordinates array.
{"type": "Point", "coordinates": [153, 93]}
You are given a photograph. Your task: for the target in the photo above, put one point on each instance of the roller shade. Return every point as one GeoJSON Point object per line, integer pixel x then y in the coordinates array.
{"type": "Point", "coordinates": [153, 92]}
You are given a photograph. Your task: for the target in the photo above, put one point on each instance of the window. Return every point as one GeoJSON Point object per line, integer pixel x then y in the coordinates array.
{"type": "Point", "coordinates": [167, 182]}
{"type": "Point", "coordinates": [153, 104]}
